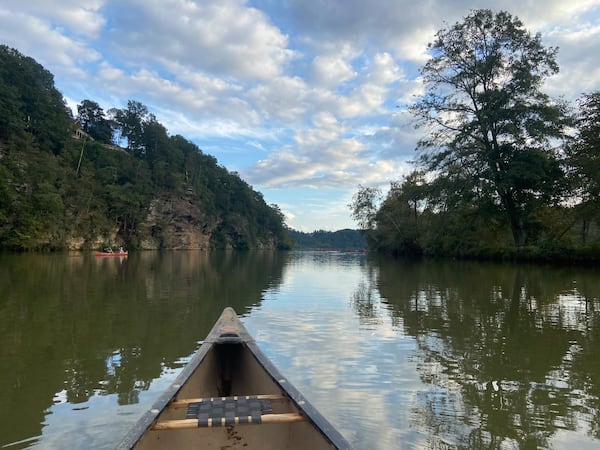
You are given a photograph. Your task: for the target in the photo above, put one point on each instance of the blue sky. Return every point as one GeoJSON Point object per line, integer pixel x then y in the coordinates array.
{"type": "Point", "coordinates": [305, 99]}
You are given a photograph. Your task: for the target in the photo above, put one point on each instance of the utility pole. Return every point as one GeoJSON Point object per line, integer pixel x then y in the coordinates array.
{"type": "Point", "coordinates": [80, 156]}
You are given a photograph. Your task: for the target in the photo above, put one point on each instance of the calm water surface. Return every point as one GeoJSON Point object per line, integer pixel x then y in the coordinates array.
{"type": "Point", "coordinates": [396, 355]}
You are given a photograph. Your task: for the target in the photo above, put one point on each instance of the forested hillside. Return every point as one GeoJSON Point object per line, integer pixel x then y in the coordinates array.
{"type": "Point", "coordinates": [329, 240]}
{"type": "Point", "coordinates": [114, 177]}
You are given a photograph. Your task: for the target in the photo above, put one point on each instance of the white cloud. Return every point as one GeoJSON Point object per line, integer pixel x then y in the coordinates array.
{"type": "Point", "coordinates": [322, 156]}
{"type": "Point", "coordinates": [35, 37]}
{"type": "Point", "coordinates": [283, 98]}
{"type": "Point", "coordinates": [220, 37]}
{"type": "Point", "coordinates": [329, 71]}
{"type": "Point", "coordinates": [370, 90]}
{"type": "Point", "coordinates": [332, 67]}
{"type": "Point", "coordinates": [109, 74]}
{"type": "Point", "coordinates": [580, 72]}
{"type": "Point", "coordinates": [82, 17]}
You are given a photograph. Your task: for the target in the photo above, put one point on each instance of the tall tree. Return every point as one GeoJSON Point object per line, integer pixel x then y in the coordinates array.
{"type": "Point", "coordinates": [364, 206]}
{"type": "Point", "coordinates": [131, 122]}
{"type": "Point", "coordinates": [584, 159]}
{"type": "Point", "coordinates": [487, 117]}
{"type": "Point", "coordinates": [94, 122]}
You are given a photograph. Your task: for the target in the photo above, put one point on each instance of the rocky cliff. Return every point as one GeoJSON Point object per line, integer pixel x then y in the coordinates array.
{"type": "Point", "coordinates": [175, 222]}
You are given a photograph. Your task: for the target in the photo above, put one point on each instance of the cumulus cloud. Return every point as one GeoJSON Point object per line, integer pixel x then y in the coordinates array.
{"type": "Point", "coordinates": [36, 37]}
{"type": "Point", "coordinates": [322, 156]}
{"type": "Point", "coordinates": [220, 37]}
{"type": "Point", "coordinates": [333, 66]}
{"type": "Point", "coordinates": [284, 98]}
{"type": "Point", "coordinates": [579, 69]}
{"type": "Point", "coordinates": [81, 17]}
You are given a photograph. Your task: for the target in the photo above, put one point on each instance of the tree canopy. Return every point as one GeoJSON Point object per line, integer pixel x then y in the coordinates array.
{"type": "Point", "coordinates": [490, 127]}
{"type": "Point", "coordinates": [94, 122]}
{"type": "Point", "coordinates": [502, 169]}
{"type": "Point", "coordinates": [584, 153]}
{"type": "Point", "coordinates": [29, 102]}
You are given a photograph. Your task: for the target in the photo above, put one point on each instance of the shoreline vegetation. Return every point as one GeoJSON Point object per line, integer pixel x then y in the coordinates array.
{"type": "Point", "coordinates": [503, 171]}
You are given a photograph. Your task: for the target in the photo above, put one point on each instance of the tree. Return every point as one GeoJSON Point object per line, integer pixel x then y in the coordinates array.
{"type": "Point", "coordinates": [29, 102]}
{"type": "Point", "coordinates": [414, 190]}
{"type": "Point", "coordinates": [43, 205]}
{"type": "Point", "coordinates": [364, 206]}
{"type": "Point", "coordinates": [488, 122]}
{"type": "Point", "coordinates": [585, 152]}
{"type": "Point", "coordinates": [11, 117]}
{"type": "Point", "coordinates": [584, 159]}
{"type": "Point", "coordinates": [131, 122]}
{"type": "Point", "coordinates": [392, 224]}
{"type": "Point", "coordinates": [94, 122]}
{"type": "Point", "coordinates": [397, 220]}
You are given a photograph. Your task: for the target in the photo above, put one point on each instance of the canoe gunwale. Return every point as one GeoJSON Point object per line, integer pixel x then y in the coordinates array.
{"type": "Point", "coordinates": [229, 330]}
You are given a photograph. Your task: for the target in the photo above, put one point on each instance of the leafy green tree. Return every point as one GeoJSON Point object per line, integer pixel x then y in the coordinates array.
{"type": "Point", "coordinates": [94, 122]}
{"type": "Point", "coordinates": [130, 122]}
{"type": "Point", "coordinates": [415, 191]}
{"type": "Point", "coordinates": [29, 102]}
{"type": "Point", "coordinates": [6, 197]}
{"type": "Point", "coordinates": [584, 160]}
{"type": "Point", "coordinates": [397, 222]}
{"type": "Point", "coordinates": [488, 123]}
{"type": "Point", "coordinates": [11, 117]}
{"type": "Point", "coordinates": [364, 206]}
{"type": "Point", "coordinates": [164, 157]}
{"type": "Point", "coordinates": [396, 230]}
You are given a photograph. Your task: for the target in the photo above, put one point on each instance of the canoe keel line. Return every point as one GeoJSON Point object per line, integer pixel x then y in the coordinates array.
{"type": "Point", "coordinates": [231, 396]}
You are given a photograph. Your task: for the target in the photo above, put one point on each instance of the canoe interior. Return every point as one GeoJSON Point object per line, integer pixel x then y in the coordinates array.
{"type": "Point", "coordinates": [227, 370]}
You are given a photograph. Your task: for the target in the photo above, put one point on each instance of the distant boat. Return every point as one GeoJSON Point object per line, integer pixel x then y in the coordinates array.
{"type": "Point", "coordinates": [111, 253]}
{"type": "Point", "coordinates": [231, 396]}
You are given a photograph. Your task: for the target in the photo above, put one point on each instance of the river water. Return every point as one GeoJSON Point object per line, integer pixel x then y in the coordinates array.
{"type": "Point", "coordinates": [428, 355]}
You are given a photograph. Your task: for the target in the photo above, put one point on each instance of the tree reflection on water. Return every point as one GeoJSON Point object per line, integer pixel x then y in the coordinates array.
{"type": "Point", "coordinates": [509, 351]}
{"type": "Point", "coordinates": [75, 327]}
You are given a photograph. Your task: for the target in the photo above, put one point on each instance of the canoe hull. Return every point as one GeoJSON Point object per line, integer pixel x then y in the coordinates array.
{"type": "Point", "coordinates": [229, 364]}
{"type": "Point", "coordinates": [106, 254]}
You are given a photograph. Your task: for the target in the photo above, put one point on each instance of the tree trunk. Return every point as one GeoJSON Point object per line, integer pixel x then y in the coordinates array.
{"type": "Point", "coordinates": [516, 225]}
{"type": "Point", "coordinates": [585, 229]}
{"type": "Point", "coordinates": [515, 219]}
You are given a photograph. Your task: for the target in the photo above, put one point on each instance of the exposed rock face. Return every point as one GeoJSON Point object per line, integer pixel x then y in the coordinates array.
{"type": "Point", "coordinates": [77, 242]}
{"type": "Point", "coordinates": [175, 223]}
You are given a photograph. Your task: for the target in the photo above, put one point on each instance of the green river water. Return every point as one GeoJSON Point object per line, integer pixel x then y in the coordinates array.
{"type": "Point", "coordinates": [396, 355]}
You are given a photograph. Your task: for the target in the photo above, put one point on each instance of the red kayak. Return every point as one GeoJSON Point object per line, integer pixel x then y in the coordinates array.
{"type": "Point", "coordinates": [111, 254]}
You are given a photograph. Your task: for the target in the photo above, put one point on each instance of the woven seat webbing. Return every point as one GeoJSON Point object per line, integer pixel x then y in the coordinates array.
{"type": "Point", "coordinates": [224, 411]}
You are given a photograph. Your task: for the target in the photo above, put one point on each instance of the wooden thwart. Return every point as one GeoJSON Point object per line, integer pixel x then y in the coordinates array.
{"type": "Point", "coordinates": [185, 402]}
{"type": "Point", "coordinates": [193, 423]}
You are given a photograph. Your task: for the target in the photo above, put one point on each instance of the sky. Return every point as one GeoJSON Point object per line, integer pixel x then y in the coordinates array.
{"type": "Point", "coordinates": [305, 99]}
